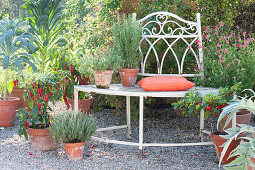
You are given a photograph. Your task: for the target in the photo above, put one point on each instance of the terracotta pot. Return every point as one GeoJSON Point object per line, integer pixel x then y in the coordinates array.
{"type": "Point", "coordinates": [74, 150]}
{"type": "Point", "coordinates": [103, 79]}
{"type": "Point", "coordinates": [218, 141]}
{"type": "Point", "coordinates": [18, 92]}
{"type": "Point", "coordinates": [8, 111]}
{"type": "Point", "coordinates": [128, 76]}
{"type": "Point", "coordinates": [243, 116]}
{"type": "Point", "coordinates": [83, 104]}
{"type": "Point", "coordinates": [41, 139]}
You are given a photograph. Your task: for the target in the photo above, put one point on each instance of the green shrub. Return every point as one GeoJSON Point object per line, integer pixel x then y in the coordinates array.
{"type": "Point", "coordinates": [72, 127]}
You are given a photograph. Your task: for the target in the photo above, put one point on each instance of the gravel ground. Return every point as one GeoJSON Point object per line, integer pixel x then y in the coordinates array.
{"type": "Point", "coordinates": [17, 153]}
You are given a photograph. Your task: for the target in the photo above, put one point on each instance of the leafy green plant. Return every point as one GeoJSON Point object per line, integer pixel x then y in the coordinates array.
{"type": "Point", "coordinates": [45, 19]}
{"type": "Point", "coordinates": [101, 59]}
{"type": "Point", "coordinates": [245, 151]}
{"type": "Point", "coordinates": [40, 90]}
{"type": "Point", "coordinates": [212, 103]}
{"type": "Point", "coordinates": [72, 127]}
{"type": "Point", "coordinates": [14, 45]}
{"type": "Point", "coordinates": [236, 105]}
{"type": "Point", "coordinates": [126, 36]}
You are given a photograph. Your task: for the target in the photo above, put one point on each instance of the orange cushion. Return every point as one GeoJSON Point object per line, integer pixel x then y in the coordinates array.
{"type": "Point", "coordinates": [165, 83]}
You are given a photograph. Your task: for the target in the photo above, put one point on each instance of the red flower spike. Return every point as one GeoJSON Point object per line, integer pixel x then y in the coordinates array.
{"type": "Point", "coordinates": [26, 124]}
{"type": "Point", "coordinates": [65, 100]}
{"type": "Point", "coordinates": [72, 70]}
{"type": "Point", "coordinates": [208, 108]}
{"type": "Point", "coordinates": [30, 154]}
{"type": "Point", "coordinates": [195, 154]}
{"type": "Point", "coordinates": [35, 85]}
{"type": "Point", "coordinates": [51, 94]}
{"type": "Point", "coordinates": [46, 97]}
{"type": "Point", "coordinates": [54, 69]}
{"type": "Point", "coordinates": [39, 106]}
{"type": "Point", "coordinates": [64, 81]}
{"type": "Point", "coordinates": [223, 105]}
{"type": "Point", "coordinates": [90, 152]}
{"type": "Point", "coordinates": [121, 155]}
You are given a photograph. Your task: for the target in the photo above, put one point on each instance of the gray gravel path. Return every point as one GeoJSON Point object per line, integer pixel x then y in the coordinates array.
{"type": "Point", "coordinates": [17, 153]}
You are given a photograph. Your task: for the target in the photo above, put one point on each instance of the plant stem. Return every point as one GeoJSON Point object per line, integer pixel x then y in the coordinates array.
{"type": "Point", "coordinates": [5, 84]}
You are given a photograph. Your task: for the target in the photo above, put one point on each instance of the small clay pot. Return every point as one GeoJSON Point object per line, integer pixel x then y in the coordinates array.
{"type": "Point", "coordinates": [103, 79]}
{"type": "Point", "coordinates": [83, 104]}
{"type": "Point", "coordinates": [41, 139]}
{"type": "Point", "coordinates": [218, 141]}
{"type": "Point", "coordinates": [18, 92]}
{"type": "Point", "coordinates": [243, 116]}
{"type": "Point", "coordinates": [74, 150]}
{"type": "Point", "coordinates": [8, 109]}
{"type": "Point", "coordinates": [128, 76]}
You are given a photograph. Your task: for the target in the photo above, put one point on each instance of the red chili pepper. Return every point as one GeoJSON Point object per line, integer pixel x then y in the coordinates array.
{"type": "Point", "coordinates": [46, 97]}
{"type": "Point", "coordinates": [39, 106]}
{"type": "Point", "coordinates": [72, 70]}
{"type": "Point", "coordinates": [26, 124]}
{"type": "Point", "coordinates": [208, 108]}
{"type": "Point", "coordinates": [35, 85]}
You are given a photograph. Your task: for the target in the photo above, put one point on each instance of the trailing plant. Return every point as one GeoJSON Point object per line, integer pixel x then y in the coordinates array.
{"type": "Point", "coordinates": [40, 90]}
{"type": "Point", "coordinates": [72, 127]}
{"type": "Point", "coordinates": [101, 59]}
{"type": "Point", "coordinates": [126, 36]}
{"type": "Point", "coordinates": [212, 103]}
{"type": "Point", "coordinates": [15, 44]}
{"type": "Point", "coordinates": [45, 19]}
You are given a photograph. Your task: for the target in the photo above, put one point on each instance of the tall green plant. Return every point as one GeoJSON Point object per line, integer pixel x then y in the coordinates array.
{"type": "Point", "coordinates": [46, 26]}
{"type": "Point", "coordinates": [126, 35]}
{"type": "Point", "coordinates": [14, 45]}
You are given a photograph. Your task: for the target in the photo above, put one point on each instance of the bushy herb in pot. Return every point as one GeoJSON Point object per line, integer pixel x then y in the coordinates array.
{"type": "Point", "coordinates": [126, 36]}
{"type": "Point", "coordinates": [73, 129]}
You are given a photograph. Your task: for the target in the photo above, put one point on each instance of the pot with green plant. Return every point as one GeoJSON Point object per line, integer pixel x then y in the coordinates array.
{"type": "Point", "coordinates": [218, 137]}
{"type": "Point", "coordinates": [126, 35]}
{"type": "Point", "coordinates": [15, 44]}
{"type": "Point", "coordinates": [40, 90]}
{"type": "Point", "coordinates": [73, 129]}
{"type": "Point", "coordinates": [74, 77]}
{"type": "Point", "coordinates": [102, 63]}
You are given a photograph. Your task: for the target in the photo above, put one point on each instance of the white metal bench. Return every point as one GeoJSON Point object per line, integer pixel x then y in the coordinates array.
{"type": "Point", "coordinates": [155, 30]}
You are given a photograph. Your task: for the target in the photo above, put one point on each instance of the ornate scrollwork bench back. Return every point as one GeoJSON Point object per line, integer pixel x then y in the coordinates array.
{"type": "Point", "coordinates": [183, 42]}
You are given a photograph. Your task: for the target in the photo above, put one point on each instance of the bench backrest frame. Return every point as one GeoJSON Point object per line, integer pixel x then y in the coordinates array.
{"type": "Point", "coordinates": [181, 32]}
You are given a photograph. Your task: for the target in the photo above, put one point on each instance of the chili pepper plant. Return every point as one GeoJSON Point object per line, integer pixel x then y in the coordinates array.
{"type": "Point", "coordinates": [72, 77]}
{"type": "Point", "coordinates": [42, 89]}
{"type": "Point", "coordinates": [212, 103]}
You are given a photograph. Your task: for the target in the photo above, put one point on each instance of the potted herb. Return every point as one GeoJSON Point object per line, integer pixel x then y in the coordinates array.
{"type": "Point", "coordinates": [14, 45]}
{"type": "Point", "coordinates": [126, 35]}
{"type": "Point", "coordinates": [73, 129]}
{"type": "Point", "coordinates": [101, 63]}
{"type": "Point", "coordinates": [42, 89]}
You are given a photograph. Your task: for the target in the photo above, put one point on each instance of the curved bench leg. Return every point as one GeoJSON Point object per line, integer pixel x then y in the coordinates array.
{"type": "Point", "coordinates": [75, 99]}
{"type": "Point", "coordinates": [141, 127]}
{"type": "Point", "coordinates": [202, 119]}
{"type": "Point", "coordinates": [128, 117]}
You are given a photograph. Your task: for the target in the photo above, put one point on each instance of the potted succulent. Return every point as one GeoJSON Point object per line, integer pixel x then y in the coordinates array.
{"type": "Point", "coordinates": [126, 35]}
{"type": "Point", "coordinates": [42, 89]}
{"type": "Point", "coordinates": [14, 45]}
{"type": "Point", "coordinates": [74, 77]}
{"type": "Point", "coordinates": [101, 63]}
{"type": "Point", "coordinates": [228, 113]}
{"type": "Point", "coordinates": [73, 129]}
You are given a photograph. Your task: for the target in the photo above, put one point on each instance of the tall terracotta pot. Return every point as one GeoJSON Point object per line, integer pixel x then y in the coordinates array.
{"type": "Point", "coordinates": [18, 92]}
{"type": "Point", "coordinates": [103, 79]}
{"type": "Point", "coordinates": [41, 139]}
{"type": "Point", "coordinates": [218, 141]}
{"type": "Point", "coordinates": [128, 76]}
{"type": "Point", "coordinates": [74, 150]}
{"type": "Point", "coordinates": [242, 117]}
{"type": "Point", "coordinates": [8, 111]}
{"type": "Point", "coordinates": [83, 104]}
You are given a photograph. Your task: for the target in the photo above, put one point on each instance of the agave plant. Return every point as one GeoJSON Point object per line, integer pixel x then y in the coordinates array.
{"type": "Point", "coordinates": [245, 152]}
{"type": "Point", "coordinates": [46, 26]}
{"type": "Point", "coordinates": [236, 105]}
{"type": "Point", "coordinates": [15, 44]}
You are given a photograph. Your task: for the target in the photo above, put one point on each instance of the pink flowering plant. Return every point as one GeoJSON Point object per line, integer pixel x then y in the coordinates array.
{"type": "Point", "coordinates": [229, 57]}
{"type": "Point", "coordinates": [212, 103]}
